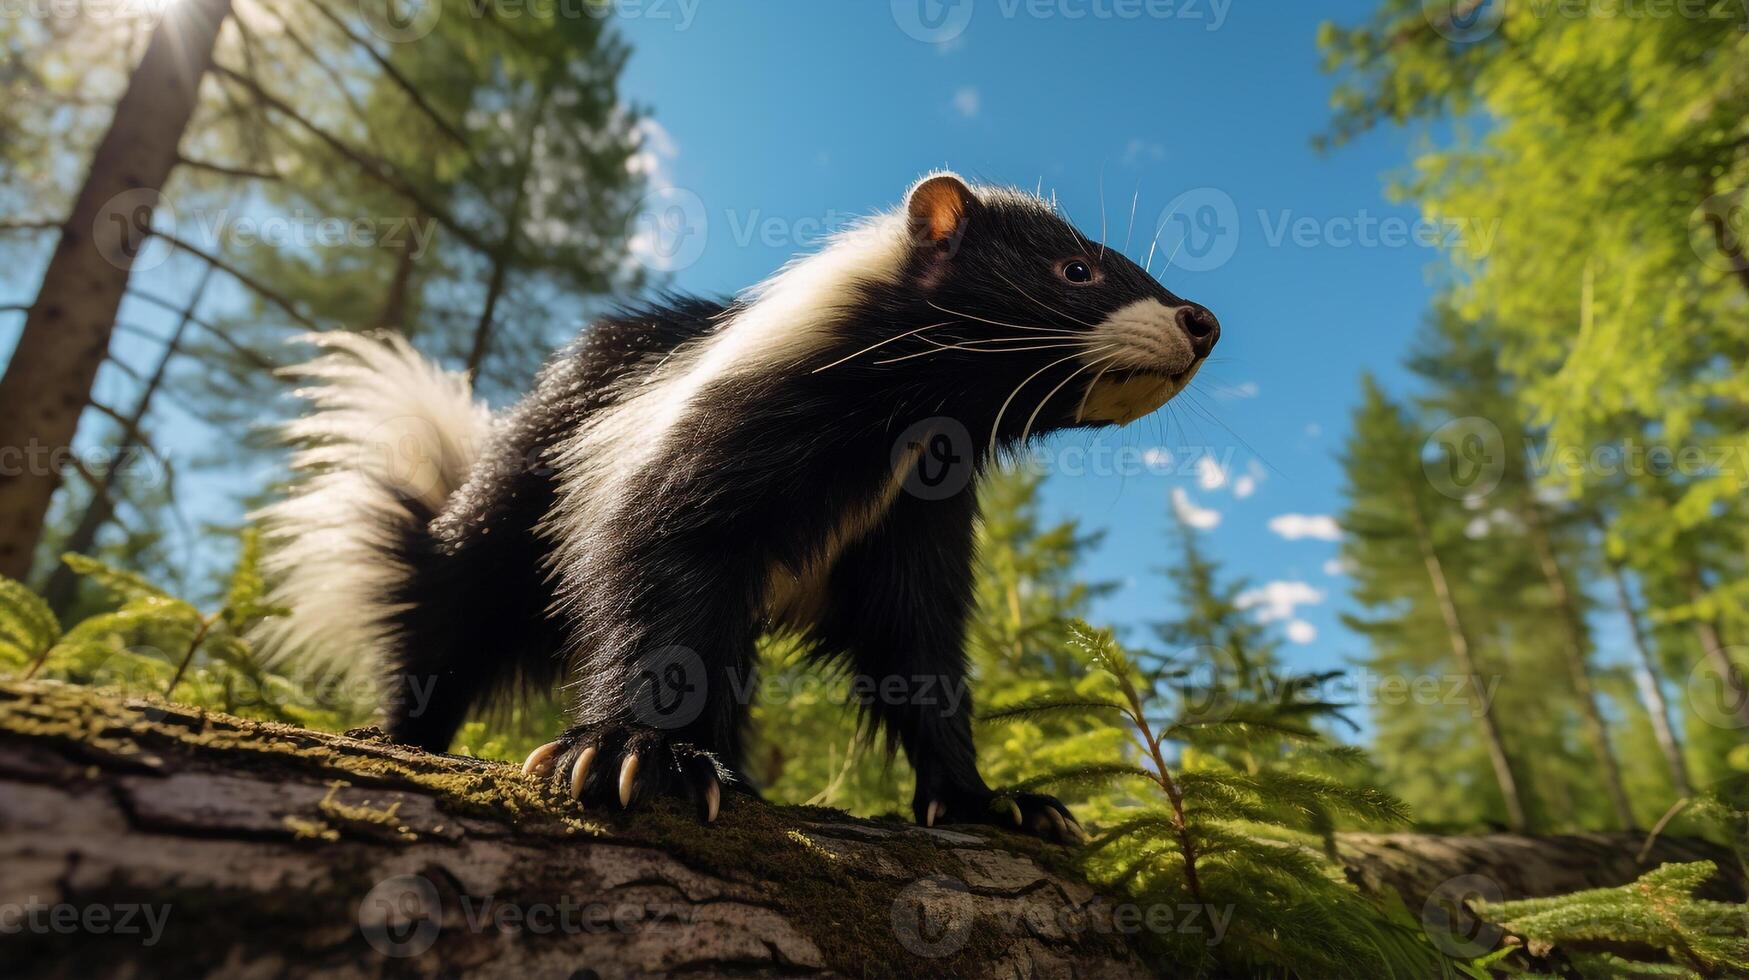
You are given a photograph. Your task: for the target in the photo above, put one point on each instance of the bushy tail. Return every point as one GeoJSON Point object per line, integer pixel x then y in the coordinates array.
{"type": "Point", "coordinates": [388, 438]}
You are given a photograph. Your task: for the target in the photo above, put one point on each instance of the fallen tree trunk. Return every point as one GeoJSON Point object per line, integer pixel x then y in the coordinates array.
{"type": "Point", "coordinates": [140, 838]}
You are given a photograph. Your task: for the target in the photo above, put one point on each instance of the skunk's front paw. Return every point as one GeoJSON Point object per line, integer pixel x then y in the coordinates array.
{"type": "Point", "coordinates": [1031, 813]}
{"type": "Point", "coordinates": [599, 764]}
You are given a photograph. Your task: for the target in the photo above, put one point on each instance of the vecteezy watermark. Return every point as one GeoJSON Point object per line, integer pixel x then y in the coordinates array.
{"type": "Point", "coordinates": [943, 21]}
{"type": "Point", "coordinates": [1718, 230]}
{"type": "Point", "coordinates": [1465, 458]}
{"type": "Point", "coordinates": [1718, 691]}
{"type": "Point", "coordinates": [668, 687]}
{"type": "Point", "coordinates": [140, 467]}
{"type": "Point", "coordinates": [1469, 21]}
{"type": "Point", "coordinates": [403, 916]}
{"type": "Point", "coordinates": [1452, 925]}
{"type": "Point", "coordinates": [35, 917]}
{"type": "Point", "coordinates": [404, 21]}
{"type": "Point", "coordinates": [1201, 230]}
{"type": "Point", "coordinates": [934, 917]}
{"type": "Point", "coordinates": [123, 230]}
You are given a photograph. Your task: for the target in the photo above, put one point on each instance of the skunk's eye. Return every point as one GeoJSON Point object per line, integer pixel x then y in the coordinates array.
{"type": "Point", "coordinates": [1077, 272]}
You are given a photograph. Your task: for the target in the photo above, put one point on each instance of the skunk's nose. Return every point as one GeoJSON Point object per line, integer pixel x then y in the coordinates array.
{"type": "Point", "coordinates": [1200, 326]}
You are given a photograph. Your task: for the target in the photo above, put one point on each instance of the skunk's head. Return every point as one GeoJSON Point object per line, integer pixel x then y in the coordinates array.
{"type": "Point", "coordinates": [1053, 329]}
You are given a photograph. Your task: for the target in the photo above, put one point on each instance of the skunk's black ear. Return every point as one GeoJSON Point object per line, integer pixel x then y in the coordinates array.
{"type": "Point", "coordinates": [939, 207]}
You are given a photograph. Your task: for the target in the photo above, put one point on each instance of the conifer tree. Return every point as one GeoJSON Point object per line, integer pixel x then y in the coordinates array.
{"type": "Point", "coordinates": [1400, 543]}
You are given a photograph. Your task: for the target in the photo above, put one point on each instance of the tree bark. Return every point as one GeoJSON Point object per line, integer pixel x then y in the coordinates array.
{"type": "Point", "coordinates": [66, 332]}
{"type": "Point", "coordinates": [63, 584]}
{"type": "Point", "coordinates": [233, 847]}
{"type": "Point", "coordinates": [1461, 653]}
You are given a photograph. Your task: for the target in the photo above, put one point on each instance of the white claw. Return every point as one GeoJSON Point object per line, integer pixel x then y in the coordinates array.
{"type": "Point", "coordinates": [580, 771]}
{"type": "Point", "coordinates": [540, 761]}
{"type": "Point", "coordinates": [628, 775]}
{"type": "Point", "coordinates": [1057, 822]}
{"type": "Point", "coordinates": [935, 810]}
{"type": "Point", "coordinates": [713, 801]}
{"type": "Point", "coordinates": [1014, 808]}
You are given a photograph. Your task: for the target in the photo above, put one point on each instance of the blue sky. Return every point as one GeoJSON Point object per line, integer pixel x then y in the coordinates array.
{"type": "Point", "coordinates": [775, 122]}
{"type": "Point", "coordinates": [783, 118]}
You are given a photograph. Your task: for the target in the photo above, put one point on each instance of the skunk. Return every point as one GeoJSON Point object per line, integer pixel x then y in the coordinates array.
{"type": "Point", "coordinates": [690, 475]}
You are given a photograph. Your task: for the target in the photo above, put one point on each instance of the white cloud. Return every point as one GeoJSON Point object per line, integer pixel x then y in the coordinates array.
{"type": "Point", "coordinates": [1314, 430]}
{"type": "Point", "coordinates": [967, 101]}
{"type": "Point", "coordinates": [1293, 527]}
{"type": "Point", "coordinates": [1244, 389]}
{"type": "Point", "coordinates": [1279, 600]}
{"type": "Point", "coordinates": [1244, 486]}
{"type": "Point", "coordinates": [656, 150]}
{"type": "Point", "coordinates": [1336, 567]}
{"type": "Point", "coordinates": [1201, 518]}
{"type": "Point", "coordinates": [1302, 632]}
{"type": "Point", "coordinates": [1142, 151]}
{"type": "Point", "coordinates": [1157, 457]}
{"type": "Point", "coordinates": [1210, 475]}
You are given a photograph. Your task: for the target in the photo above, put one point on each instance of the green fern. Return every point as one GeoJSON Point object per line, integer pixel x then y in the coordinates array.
{"type": "Point", "coordinates": [1221, 838]}
{"type": "Point", "coordinates": [1702, 938]}
{"type": "Point", "coordinates": [149, 641]}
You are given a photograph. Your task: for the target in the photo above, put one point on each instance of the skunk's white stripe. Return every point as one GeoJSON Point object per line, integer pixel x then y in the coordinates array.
{"type": "Point", "coordinates": [388, 428]}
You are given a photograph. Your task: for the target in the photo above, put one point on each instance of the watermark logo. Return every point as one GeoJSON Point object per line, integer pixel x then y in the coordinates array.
{"type": "Point", "coordinates": [669, 229]}
{"type": "Point", "coordinates": [401, 21]}
{"type": "Point", "coordinates": [1452, 926]}
{"type": "Point", "coordinates": [668, 687]}
{"type": "Point", "coordinates": [401, 916]}
{"type": "Point", "coordinates": [1465, 458]}
{"type": "Point", "coordinates": [1718, 230]}
{"type": "Point", "coordinates": [933, 21]}
{"type": "Point", "coordinates": [1199, 230]}
{"type": "Point", "coordinates": [933, 917]}
{"type": "Point", "coordinates": [1718, 692]}
{"type": "Point", "coordinates": [122, 230]}
{"type": "Point", "coordinates": [1464, 21]}
{"type": "Point", "coordinates": [936, 458]}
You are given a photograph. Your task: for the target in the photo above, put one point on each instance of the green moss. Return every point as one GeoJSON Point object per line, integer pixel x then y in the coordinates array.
{"type": "Point", "coordinates": [839, 905]}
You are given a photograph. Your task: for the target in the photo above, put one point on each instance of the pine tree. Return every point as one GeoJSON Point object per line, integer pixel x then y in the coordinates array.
{"type": "Point", "coordinates": [1458, 361]}
{"type": "Point", "coordinates": [1400, 543]}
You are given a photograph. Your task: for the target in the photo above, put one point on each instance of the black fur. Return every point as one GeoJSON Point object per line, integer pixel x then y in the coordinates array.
{"type": "Point", "coordinates": [667, 605]}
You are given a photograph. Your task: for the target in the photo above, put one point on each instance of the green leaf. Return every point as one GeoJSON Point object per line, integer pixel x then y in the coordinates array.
{"type": "Point", "coordinates": [124, 584]}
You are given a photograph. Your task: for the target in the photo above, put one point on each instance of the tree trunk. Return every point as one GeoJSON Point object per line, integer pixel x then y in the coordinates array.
{"type": "Point", "coordinates": [1713, 648]}
{"type": "Point", "coordinates": [185, 843]}
{"type": "Point", "coordinates": [66, 332]}
{"type": "Point", "coordinates": [63, 583]}
{"type": "Point", "coordinates": [1579, 666]}
{"type": "Point", "coordinates": [1460, 650]}
{"type": "Point", "coordinates": [1648, 677]}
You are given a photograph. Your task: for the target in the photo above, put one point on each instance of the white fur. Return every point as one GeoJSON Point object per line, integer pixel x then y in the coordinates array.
{"type": "Point", "coordinates": [1143, 336]}
{"type": "Point", "coordinates": [387, 427]}
{"type": "Point", "coordinates": [783, 320]}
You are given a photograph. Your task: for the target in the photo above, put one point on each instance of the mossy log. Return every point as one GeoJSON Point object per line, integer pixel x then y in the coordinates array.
{"type": "Point", "coordinates": [139, 838]}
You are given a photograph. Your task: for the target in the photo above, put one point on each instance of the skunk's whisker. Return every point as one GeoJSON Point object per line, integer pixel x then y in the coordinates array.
{"type": "Point", "coordinates": [994, 323]}
{"type": "Point", "coordinates": [1026, 430]}
{"type": "Point", "coordinates": [865, 350]}
{"type": "Point", "coordinates": [1081, 409]}
{"type": "Point", "coordinates": [978, 350]}
{"type": "Point", "coordinates": [996, 426]}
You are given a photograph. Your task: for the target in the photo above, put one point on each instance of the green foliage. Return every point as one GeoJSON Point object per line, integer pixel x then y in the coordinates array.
{"type": "Point", "coordinates": [1211, 836]}
{"type": "Point", "coordinates": [1706, 938]}
{"type": "Point", "coordinates": [147, 641]}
